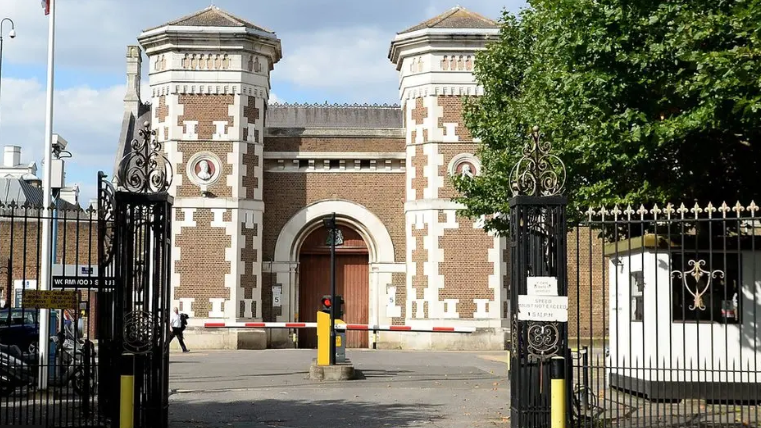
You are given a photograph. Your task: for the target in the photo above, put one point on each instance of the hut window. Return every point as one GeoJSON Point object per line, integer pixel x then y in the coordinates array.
{"type": "Point", "coordinates": [706, 287]}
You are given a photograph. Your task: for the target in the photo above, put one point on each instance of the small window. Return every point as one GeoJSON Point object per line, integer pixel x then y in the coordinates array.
{"type": "Point", "coordinates": [706, 288]}
{"type": "Point", "coordinates": [637, 292]}
{"type": "Point", "coordinates": [364, 164]}
{"type": "Point", "coordinates": [334, 163]}
{"type": "Point", "coordinates": [303, 163]}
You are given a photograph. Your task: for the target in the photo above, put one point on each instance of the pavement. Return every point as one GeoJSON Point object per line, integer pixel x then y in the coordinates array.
{"type": "Point", "coordinates": [270, 388]}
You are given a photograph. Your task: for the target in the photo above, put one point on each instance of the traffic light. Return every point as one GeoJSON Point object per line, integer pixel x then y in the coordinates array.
{"type": "Point", "coordinates": [326, 304]}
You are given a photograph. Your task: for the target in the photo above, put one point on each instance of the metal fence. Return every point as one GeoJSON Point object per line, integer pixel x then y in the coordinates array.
{"type": "Point", "coordinates": [62, 389]}
{"type": "Point", "coordinates": [665, 316]}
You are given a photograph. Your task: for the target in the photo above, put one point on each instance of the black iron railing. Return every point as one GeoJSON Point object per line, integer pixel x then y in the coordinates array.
{"type": "Point", "coordinates": [665, 302]}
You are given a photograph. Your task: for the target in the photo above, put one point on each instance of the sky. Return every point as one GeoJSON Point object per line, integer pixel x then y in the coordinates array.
{"type": "Point", "coordinates": [90, 71]}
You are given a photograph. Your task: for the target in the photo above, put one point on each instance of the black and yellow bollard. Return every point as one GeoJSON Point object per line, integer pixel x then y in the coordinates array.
{"type": "Point", "coordinates": [558, 397]}
{"type": "Point", "coordinates": [127, 397]}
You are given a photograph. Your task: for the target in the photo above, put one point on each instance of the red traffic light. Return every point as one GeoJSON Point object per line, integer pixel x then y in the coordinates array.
{"type": "Point", "coordinates": [326, 303]}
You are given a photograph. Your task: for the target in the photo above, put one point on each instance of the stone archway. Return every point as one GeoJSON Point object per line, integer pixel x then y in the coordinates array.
{"type": "Point", "coordinates": [352, 282]}
{"type": "Point", "coordinates": [380, 251]}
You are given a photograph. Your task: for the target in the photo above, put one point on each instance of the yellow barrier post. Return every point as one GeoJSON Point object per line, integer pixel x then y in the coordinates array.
{"type": "Point", "coordinates": [323, 339]}
{"type": "Point", "coordinates": [558, 415]}
{"type": "Point", "coordinates": [127, 399]}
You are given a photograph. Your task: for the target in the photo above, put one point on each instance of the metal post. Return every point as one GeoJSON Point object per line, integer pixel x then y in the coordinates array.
{"type": "Point", "coordinates": [45, 261]}
{"type": "Point", "coordinates": [557, 393]}
{"type": "Point", "coordinates": [127, 396]}
{"type": "Point", "coordinates": [333, 290]}
{"type": "Point", "coordinates": [585, 379]}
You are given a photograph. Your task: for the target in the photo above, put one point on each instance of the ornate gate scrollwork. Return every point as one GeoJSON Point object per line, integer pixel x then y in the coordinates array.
{"type": "Point", "coordinates": [139, 331]}
{"type": "Point", "coordinates": [698, 274]}
{"type": "Point", "coordinates": [145, 169]}
{"type": "Point", "coordinates": [105, 212]}
{"type": "Point", "coordinates": [537, 249]}
{"type": "Point", "coordinates": [543, 340]}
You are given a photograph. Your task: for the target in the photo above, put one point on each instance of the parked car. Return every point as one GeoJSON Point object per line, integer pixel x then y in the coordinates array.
{"type": "Point", "coordinates": [21, 329]}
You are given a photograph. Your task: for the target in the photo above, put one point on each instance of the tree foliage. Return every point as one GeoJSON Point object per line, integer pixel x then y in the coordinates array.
{"type": "Point", "coordinates": [644, 101]}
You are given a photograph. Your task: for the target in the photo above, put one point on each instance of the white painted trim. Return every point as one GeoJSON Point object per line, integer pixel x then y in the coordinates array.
{"type": "Point", "coordinates": [440, 89]}
{"type": "Point", "coordinates": [447, 32]}
{"type": "Point", "coordinates": [207, 88]}
{"type": "Point", "coordinates": [185, 30]}
{"type": "Point", "coordinates": [334, 155]}
{"type": "Point", "coordinates": [372, 229]}
{"type": "Point", "coordinates": [432, 205]}
{"type": "Point", "coordinates": [389, 267]}
{"type": "Point", "coordinates": [229, 203]}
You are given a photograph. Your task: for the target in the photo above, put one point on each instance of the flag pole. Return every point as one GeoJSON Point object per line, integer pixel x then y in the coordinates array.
{"type": "Point", "coordinates": [45, 267]}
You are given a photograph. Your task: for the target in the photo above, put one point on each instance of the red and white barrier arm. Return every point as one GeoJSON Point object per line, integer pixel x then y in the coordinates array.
{"type": "Point", "coordinates": [260, 325]}
{"type": "Point", "coordinates": [352, 327]}
{"type": "Point", "coordinates": [421, 329]}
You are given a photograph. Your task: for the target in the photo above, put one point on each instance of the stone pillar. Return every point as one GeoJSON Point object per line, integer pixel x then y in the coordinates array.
{"type": "Point", "coordinates": [134, 65]}
{"type": "Point", "coordinates": [454, 268]}
{"type": "Point", "coordinates": [209, 102]}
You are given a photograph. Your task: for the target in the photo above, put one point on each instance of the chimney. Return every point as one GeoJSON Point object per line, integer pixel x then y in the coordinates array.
{"type": "Point", "coordinates": [134, 63]}
{"type": "Point", "coordinates": [12, 156]}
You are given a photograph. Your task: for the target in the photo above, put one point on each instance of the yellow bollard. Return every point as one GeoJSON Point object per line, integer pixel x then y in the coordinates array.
{"type": "Point", "coordinates": [558, 415]}
{"type": "Point", "coordinates": [127, 399]}
{"type": "Point", "coordinates": [323, 339]}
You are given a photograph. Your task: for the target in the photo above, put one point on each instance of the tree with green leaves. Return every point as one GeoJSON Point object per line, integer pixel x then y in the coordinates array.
{"type": "Point", "coordinates": [644, 101]}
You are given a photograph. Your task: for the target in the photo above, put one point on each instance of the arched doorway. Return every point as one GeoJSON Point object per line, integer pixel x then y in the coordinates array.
{"type": "Point", "coordinates": [352, 282]}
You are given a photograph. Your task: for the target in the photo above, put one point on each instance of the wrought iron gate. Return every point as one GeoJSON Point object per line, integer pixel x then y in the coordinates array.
{"type": "Point", "coordinates": [538, 260]}
{"type": "Point", "coordinates": [142, 209]}
{"type": "Point", "coordinates": [663, 321]}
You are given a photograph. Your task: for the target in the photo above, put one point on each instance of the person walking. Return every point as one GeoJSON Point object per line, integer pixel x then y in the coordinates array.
{"type": "Point", "coordinates": [176, 322]}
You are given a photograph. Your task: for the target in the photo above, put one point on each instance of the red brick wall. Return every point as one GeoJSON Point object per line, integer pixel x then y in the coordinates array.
{"type": "Point", "coordinates": [466, 266]}
{"type": "Point", "coordinates": [20, 246]}
{"type": "Point", "coordinates": [206, 109]}
{"type": "Point", "coordinates": [334, 144]}
{"type": "Point", "coordinates": [202, 266]}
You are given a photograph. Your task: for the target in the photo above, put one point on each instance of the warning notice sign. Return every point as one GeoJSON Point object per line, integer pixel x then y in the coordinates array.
{"type": "Point", "coordinates": [50, 299]}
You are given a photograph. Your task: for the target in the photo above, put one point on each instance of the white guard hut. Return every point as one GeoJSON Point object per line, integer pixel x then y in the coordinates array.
{"type": "Point", "coordinates": [684, 319]}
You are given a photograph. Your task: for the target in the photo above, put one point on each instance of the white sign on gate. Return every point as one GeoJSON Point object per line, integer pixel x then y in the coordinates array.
{"type": "Point", "coordinates": [541, 286]}
{"type": "Point", "coordinates": [543, 308]}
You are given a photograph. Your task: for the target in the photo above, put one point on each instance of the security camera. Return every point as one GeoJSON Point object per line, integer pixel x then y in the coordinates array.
{"type": "Point", "coordinates": [59, 144]}
{"type": "Point", "coordinates": [12, 34]}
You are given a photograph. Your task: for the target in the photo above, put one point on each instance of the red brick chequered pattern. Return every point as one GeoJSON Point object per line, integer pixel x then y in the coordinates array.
{"type": "Point", "coordinates": [202, 266]}
{"type": "Point", "coordinates": [419, 257]}
{"type": "Point", "coordinates": [206, 109]}
{"type": "Point", "coordinates": [249, 255]}
{"type": "Point", "coordinates": [419, 114]}
{"type": "Point", "coordinates": [466, 266]}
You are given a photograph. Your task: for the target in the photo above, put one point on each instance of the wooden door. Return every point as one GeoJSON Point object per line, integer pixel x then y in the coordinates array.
{"type": "Point", "coordinates": [355, 287]}
{"type": "Point", "coordinates": [352, 282]}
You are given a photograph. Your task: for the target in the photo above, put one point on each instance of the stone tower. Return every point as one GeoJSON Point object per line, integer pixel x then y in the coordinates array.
{"type": "Point", "coordinates": [454, 268]}
{"type": "Point", "coordinates": [209, 77]}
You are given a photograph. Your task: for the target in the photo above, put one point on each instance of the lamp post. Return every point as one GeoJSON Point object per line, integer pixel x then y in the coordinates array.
{"type": "Point", "coordinates": [330, 224]}
{"type": "Point", "coordinates": [12, 35]}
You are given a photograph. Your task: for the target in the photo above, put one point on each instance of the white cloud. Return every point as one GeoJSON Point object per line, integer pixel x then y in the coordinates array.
{"type": "Point", "coordinates": [347, 61]}
{"type": "Point", "coordinates": [89, 119]}
{"type": "Point", "coordinates": [275, 99]}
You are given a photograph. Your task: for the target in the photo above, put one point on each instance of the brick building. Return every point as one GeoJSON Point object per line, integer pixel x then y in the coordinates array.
{"type": "Point", "coordinates": [253, 181]}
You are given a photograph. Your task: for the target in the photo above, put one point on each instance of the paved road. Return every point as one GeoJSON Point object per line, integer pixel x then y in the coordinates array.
{"type": "Point", "coordinates": [397, 389]}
